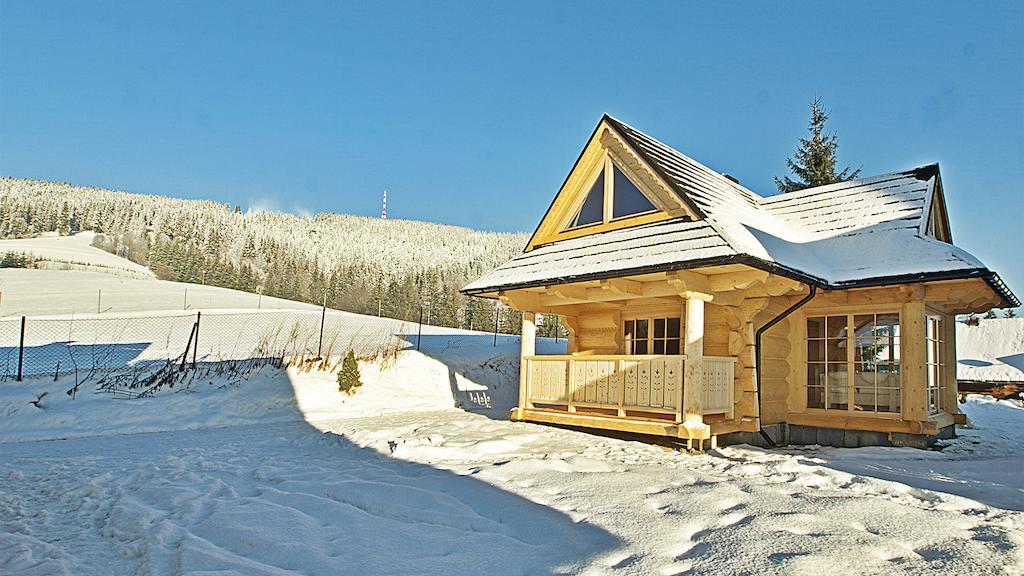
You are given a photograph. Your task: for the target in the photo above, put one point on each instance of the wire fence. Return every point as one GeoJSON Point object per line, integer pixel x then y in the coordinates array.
{"type": "Point", "coordinates": [57, 345]}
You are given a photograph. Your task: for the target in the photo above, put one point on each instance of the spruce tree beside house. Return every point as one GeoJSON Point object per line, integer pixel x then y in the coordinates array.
{"type": "Point", "coordinates": [814, 163]}
{"type": "Point", "coordinates": [348, 376]}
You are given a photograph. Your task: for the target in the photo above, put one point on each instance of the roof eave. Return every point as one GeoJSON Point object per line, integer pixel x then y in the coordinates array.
{"type": "Point", "coordinates": [990, 277]}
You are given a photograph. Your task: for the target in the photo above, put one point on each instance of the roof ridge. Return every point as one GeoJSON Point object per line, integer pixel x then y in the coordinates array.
{"type": "Point", "coordinates": [925, 172]}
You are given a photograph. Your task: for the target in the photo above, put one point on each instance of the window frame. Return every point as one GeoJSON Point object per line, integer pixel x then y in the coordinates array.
{"type": "Point", "coordinates": [935, 366]}
{"type": "Point", "coordinates": [607, 168]}
{"type": "Point", "coordinates": [851, 363]}
{"type": "Point", "coordinates": [651, 338]}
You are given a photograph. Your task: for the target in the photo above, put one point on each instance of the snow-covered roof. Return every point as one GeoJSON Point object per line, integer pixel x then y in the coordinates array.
{"type": "Point", "coordinates": [865, 231]}
{"type": "Point", "coordinates": [992, 351]}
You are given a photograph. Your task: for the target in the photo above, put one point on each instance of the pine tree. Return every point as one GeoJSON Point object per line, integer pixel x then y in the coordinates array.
{"type": "Point", "coordinates": [990, 314]}
{"type": "Point", "coordinates": [814, 163]}
{"type": "Point", "coordinates": [1011, 313]}
{"type": "Point", "coordinates": [348, 377]}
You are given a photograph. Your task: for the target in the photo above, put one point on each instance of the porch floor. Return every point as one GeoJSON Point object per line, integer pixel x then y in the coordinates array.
{"type": "Point", "coordinates": [717, 423]}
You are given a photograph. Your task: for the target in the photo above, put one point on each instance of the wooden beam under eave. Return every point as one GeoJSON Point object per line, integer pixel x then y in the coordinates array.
{"type": "Point", "coordinates": [532, 302]}
{"type": "Point", "coordinates": [622, 286]}
{"type": "Point", "coordinates": [686, 281]}
{"type": "Point", "coordinates": [737, 280]}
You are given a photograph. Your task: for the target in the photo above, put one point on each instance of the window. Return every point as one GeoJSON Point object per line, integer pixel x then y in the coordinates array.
{"type": "Point", "coordinates": [853, 362]}
{"type": "Point", "coordinates": [936, 363]}
{"type": "Point", "coordinates": [627, 199]}
{"type": "Point", "coordinates": [592, 210]}
{"type": "Point", "coordinates": [651, 336]}
{"type": "Point", "coordinates": [615, 191]}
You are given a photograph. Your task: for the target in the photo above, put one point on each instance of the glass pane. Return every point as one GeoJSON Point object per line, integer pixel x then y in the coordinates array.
{"type": "Point", "coordinates": [593, 207]}
{"type": "Point", "coordinates": [659, 327]}
{"type": "Point", "coordinates": [673, 327]}
{"type": "Point", "coordinates": [836, 350]}
{"type": "Point", "coordinates": [888, 376]}
{"type": "Point", "coordinates": [887, 325]}
{"type": "Point", "coordinates": [863, 325]}
{"type": "Point", "coordinates": [626, 197]}
{"type": "Point", "coordinates": [933, 328]}
{"type": "Point", "coordinates": [838, 383]}
{"type": "Point", "coordinates": [641, 329]}
{"type": "Point", "coordinates": [864, 387]}
{"type": "Point", "coordinates": [870, 350]}
{"type": "Point", "coordinates": [887, 400]}
{"type": "Point", "coordinates": [815, 397]}
{"type": "Point", "coordinates": [640, 347]}
{"type": "Point", "coordinates": [659, 346]}
{"type": "Point", "coordinates": [816, 327]}
{"type": "Point", "coordinates": [629, 327]}
{"type": "Point", "coordinates": [815, 350]}
{"type": "Point", "coordinates": [863, 374]}
{"type": "Point", "coordinates": [835, 327]}
{"type": "Point", "coordinates": [815, 374]}
{"type": "Point", "coordinates": [672, 346]}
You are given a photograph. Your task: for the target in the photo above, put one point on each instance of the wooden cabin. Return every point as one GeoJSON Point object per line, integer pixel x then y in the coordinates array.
{"type": "Point", "coordinates": [700, 310]}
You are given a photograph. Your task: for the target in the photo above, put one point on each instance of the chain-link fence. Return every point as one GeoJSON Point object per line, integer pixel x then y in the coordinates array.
{"type": "Point", "coordinates": [56, 345]}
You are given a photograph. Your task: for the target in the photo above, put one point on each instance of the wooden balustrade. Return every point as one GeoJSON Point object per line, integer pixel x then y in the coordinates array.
{"type": "Point", "coordinates": [642, 383]}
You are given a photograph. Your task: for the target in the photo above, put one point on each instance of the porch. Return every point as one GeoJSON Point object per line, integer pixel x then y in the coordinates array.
{"type": "Point", "coordinates": [647, 386]}
{"type": "Point", "coordinates": [637, 393]}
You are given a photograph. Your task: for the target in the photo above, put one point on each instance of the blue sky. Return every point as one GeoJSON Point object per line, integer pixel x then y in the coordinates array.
{"type": "Point", "coordinates": [472, 113]}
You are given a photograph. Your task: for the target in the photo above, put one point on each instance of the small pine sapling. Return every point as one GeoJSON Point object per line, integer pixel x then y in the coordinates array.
{"type": "Point", "coordinates": [348, 376]}
{"type": "Point", "coordinates": [990, 314]}
{"type": "Point", "coordinates": [1011, 313]}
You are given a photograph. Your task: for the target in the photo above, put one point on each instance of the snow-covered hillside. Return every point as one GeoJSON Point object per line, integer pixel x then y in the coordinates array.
{"type": "Point", "coordinates": [281, 474]}
{"type": "Point", "coordinates": [35, 292]}
{"type": "Point", "coordinates": [73, 253]}
{"type": "Point", "coordinates": [992, 351]}
{"type": "Point", "coordinates": [358, 264]}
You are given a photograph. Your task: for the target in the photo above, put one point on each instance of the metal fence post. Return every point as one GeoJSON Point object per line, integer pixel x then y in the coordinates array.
{"type": "Point", "coordinates": [21, 349]}
{"type": "Point", "coordinates": [323, 317]}
{"type": "Point", "coordinates": [496, 310]}
{"type": "Point", "coordinates": [419, 329]}
{"type": "Point", "coordinates": [195, 350]}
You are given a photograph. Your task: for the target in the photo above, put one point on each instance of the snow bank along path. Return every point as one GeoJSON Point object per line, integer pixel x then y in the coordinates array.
{"type": "Point", "coordinates": [282, 475]}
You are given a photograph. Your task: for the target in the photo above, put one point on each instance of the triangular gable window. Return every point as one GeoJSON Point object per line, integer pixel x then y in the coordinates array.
{"type": "Point", "coordinates": [626, 199]}
{"type": "Point", "coordinates": [592, 211]}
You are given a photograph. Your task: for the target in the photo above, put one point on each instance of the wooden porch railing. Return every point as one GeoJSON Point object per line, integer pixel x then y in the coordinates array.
{"type": "Point", "coordinates": [647, 383]}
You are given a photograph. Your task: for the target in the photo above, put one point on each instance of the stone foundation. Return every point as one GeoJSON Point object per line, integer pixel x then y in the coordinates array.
{"type": "Point", "coordinates": [783, 434]}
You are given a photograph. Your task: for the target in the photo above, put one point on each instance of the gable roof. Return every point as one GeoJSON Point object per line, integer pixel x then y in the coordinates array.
{"type": "Point", "coordinates": [836, 236]}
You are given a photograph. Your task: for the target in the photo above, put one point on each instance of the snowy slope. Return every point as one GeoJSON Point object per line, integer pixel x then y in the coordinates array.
{"type": "Point", "coordinates": [74, 253]}
{"type": "Point", "coordinates": [992, 351]}
{"type": "Point", "coordinates": [281, 474]}
{"type": "Point", "coordinates": [35, 292]}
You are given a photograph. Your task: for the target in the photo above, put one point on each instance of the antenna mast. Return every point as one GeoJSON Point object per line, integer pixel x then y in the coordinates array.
{"type": "Point", "coordinates": [384, 207]}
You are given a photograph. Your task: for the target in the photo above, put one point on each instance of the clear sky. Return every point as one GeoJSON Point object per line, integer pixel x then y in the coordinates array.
{"type": "Point", "coordinates": [472, 113]}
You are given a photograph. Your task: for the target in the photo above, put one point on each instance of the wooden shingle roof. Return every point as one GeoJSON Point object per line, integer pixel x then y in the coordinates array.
{"type": "Point", "coordinates": [869, 231]}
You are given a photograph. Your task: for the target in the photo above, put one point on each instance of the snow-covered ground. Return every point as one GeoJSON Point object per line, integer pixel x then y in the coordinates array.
{"type": "Point", "coordinates": [74, 253]}
{"type": "Point", "coordinates": [421, 473]}
{"type": "Point", "coordinates": [32, 292]}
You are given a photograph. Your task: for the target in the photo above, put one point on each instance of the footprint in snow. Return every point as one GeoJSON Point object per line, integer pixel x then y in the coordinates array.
{"type": "Point", "coordinates": [676, 568]}
{"type": "Point", "coordinates": [657, 506]}
{"type": "Point", "coordinates": [732, 519]}
{"type": "Point", "coordinates": [730, 505]}
{"type": "Point", "coordinates": [620, 560]}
